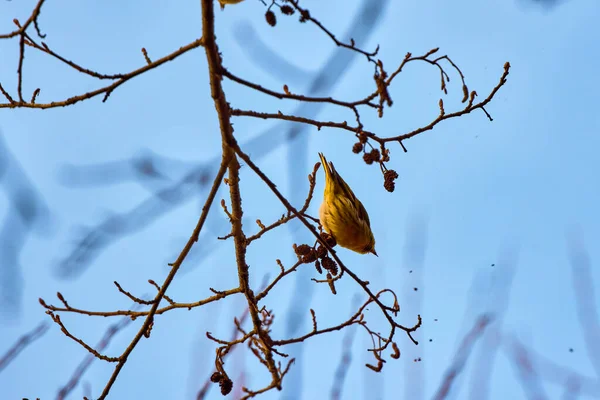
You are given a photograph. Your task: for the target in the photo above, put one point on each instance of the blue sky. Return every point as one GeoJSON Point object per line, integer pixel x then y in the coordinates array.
{"type": "Point", "coordinates": [471, 193]}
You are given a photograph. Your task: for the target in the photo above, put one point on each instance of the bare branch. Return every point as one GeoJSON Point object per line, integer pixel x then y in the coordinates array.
{"type": "Point", "coordinates": [174, 268]}
{"type": "Point", "coordinates": [89, 359]}
{"type": "Point", "coordinates": [107, 90]}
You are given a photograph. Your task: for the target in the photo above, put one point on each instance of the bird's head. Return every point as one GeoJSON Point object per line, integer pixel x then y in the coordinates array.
{"type": "Point", "coordinates": [370, 246]}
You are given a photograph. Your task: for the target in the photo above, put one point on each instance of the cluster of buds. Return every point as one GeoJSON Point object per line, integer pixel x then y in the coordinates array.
{"type": "Point", "coordinates": [375, 155]}
{"type": "Point", "coordinates": [285, 10]}
{"type": "Point", "coordinates": [372, 156]}
{"type": "Point", "coordinates": [224, 382]}
{"type": "Point", "coordinates": [305, 253]}
{"type": "Point", "coordinates": [318, 254]}
{"type": "Point", "coordinates": [360, 145]}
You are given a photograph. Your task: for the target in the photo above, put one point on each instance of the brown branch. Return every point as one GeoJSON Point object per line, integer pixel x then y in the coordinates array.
{"type": "Point", "coordinates": [63, 328]}
{"type": "Point", "coordinates": [234, 339]}
{"type": "Point", "coordinates": [290, 96]}
{"type": "Point", "coordinates": [20, 68]}
{"type": "Point", "coordinates": [354, 319]}
{"type": "Point", "coordinates": [470, 107]}
{"type": "Point", "coordinates": [132, 297]}
{"type": "Point", "coordinates": [6, 94]}
{"type": "Point", "coordinates": [273, 384]}
{"type": "Point", "coordinates": [174, 268]}
{"type": "Point", "coordinates": [167, 298]}
{"type": "Point", "coordinates": [284, 219]}
{"type": "Point", "coordinates": [305, 16]}
{"type": "Point", "coordinates": [293, 118]}
{"type": "Point", "coordinates": [46, 49]}
{"type": "Point", "coordinates": [22, 343]}
{"type": "Point", "coordinates": [366, 100]}
{"type": "Point", "coordinates": [89, 359]}
{"type": "Point", "coordinates": [107, 90]}
{"type": "Point", "coordinates": [136, 314]}
{"type": "Point", "coordinates": [280, 276]}
{"type": "Point", "coordinates": [382, 140]}
{"type": "Point", "coordinates": [385, 309]}
{"type": "Point", "coordinates": [214, 66]}
{"type": "Point", "coordinates": [259, 339]}
{"type": "Point", "coordinates": [32, 19]}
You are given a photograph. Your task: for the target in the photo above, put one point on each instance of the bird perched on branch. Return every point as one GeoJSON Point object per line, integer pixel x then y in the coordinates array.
{"type": "Point", "coordinates": [342, 215]}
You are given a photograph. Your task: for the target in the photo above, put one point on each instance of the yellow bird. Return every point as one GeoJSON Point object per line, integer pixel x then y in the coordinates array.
{"type": "Point", "coordinates": [342, 215]}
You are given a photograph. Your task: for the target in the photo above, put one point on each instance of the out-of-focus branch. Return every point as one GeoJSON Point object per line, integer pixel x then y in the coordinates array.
{"type": "Point", "coordinates": [461, 356]}
{"type": "Point", "coordinates": [571, 390]}
{"type": "Point", "coordinates": [495, 302]}
{"type": "Point", "coordinates": [410, 259]}
{"type": "Point", "coordinates": [23, 342]}
{"type": "Point", "coordinates": [525, 370]}
{"type": "Point", "coordinates": [97, 238]}
{"type": "Point", "coordinates": [344, 364]}
{"type": "Point", "coordinates": [26, 212]}
{"type": "Point", "coordinates": [585, 297]}
{"type": "Point", "coordinates": [559, 374]}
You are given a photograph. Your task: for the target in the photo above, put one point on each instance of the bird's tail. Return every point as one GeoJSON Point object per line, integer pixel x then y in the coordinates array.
{"type": "Point", "coordinates": [326, 167]}
{"type": "Point", "coordinates": [334, 183]}
{"type": "Point", "coordinates": [329, 174]}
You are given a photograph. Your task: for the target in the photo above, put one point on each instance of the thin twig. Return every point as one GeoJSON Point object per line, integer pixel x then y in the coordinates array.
{"type": "Point", "coordinates": [89, 359]}
{"type": "Point", "coordinates": [107, 90]}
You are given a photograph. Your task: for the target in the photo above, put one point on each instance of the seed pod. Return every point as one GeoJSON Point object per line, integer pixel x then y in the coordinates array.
{"type": "Point", "coordinates": [287, 10]}
{"type": "Point", "coordinates": [310, 257]}
{"type": "Point", "coordinates": [318, 267]}
{"type": "Point", "coordinates": [270, 17]}
{"type": "Point", "coordinates": [216, 377]}
{"type": "Point", "coordinates": [302, 250]}
{"type": "Point", "coordinates": [226, 386]}
{"type": "Point", "coordinates": [321, 251]}
{"type": "Point", "coordinates": [388, 180]}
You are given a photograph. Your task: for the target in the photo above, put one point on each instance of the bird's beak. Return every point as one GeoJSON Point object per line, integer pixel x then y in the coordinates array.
{"type": "Point", "coordinates": [374, 252]}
